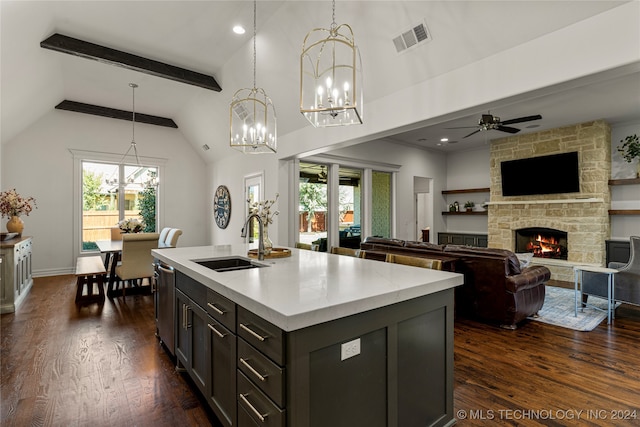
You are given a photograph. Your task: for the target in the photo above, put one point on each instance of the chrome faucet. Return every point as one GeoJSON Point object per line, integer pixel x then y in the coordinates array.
{"type": "Point", "coordinates": [260, 234]}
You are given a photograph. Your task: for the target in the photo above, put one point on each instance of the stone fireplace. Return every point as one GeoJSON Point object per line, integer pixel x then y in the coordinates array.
{"type": "Point", "coordinates": [582, 216]}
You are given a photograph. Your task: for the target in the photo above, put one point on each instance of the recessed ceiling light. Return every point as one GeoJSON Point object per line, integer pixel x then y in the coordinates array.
{"type": "Point", "coordinates": [533, 126]}
{"type": "Point", "coordinates": [422, 139]}
{"type": "Point", "coordinates": [444, 139]}
{"type": "Point", "coordinates": [238, 29]}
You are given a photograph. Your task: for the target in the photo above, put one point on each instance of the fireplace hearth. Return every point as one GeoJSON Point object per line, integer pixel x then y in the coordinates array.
{"type": "Point", "coordinates": [542, 242]}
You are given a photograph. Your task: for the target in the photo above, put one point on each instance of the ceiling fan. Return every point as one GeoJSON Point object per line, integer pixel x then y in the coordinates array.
{"type": "Point", "coordinates": [491, 122]}
{"type": "Point", "coordinates": [322, 176]}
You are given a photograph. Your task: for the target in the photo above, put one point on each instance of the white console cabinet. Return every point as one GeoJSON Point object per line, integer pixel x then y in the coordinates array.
{"type": "Point", "coordinates": [16, 278]}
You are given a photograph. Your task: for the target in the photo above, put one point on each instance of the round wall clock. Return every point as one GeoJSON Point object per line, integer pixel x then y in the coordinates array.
{"type": "Point", "coordinates": [222, 206]}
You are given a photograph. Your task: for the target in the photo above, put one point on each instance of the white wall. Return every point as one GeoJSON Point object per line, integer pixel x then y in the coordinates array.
{"type": "Point", "coordinates": [231, 172]}
{"type": "Point", "coordinates": [519, 72]}
{"type": "Point", "coordinates": [624, 196]}
{"type": "Point", "coordinates": [37, 162]}
{"type": "Point", "coordinates": [465, 170]}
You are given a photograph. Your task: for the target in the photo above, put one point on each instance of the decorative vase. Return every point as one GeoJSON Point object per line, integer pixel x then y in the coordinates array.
{"type": "Point", "coordinates": [15, 225]}
{"type": "Point", "coordinates": [268, 244]}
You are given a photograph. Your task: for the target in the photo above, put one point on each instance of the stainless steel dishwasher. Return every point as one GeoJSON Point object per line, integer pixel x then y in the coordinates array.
{"type": "Point", "coordinates": [164, 303]}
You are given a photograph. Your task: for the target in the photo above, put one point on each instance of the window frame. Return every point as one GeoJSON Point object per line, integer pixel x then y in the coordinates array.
{"type": "Point", "coordinates": [80, 156]}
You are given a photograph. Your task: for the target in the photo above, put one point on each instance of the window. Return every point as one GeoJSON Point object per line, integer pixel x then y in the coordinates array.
{"type": "Point", "coordinates": [253, 193]}
{"type": "Point", "coordinates": [106, 191]}
{"type": "Point", "coordinates": [113, 192]}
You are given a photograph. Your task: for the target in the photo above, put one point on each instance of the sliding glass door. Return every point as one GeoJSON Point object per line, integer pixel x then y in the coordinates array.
{"type": "Point", "coordinates": [349, 207]}
{"type": "Point", "coordinates": [313, 204]}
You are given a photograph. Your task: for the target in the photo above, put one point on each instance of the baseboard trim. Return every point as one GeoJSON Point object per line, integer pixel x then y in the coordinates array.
{"type": "Point", "coordinates": [53, 272]}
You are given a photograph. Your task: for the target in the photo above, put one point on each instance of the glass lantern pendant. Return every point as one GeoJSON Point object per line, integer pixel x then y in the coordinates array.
{"type": "Point", "coordinates": [252, 116]}
{"type": "Point", "coordinates": [253, 122]}
{"type": "Point", "coordinates": [331, 77]}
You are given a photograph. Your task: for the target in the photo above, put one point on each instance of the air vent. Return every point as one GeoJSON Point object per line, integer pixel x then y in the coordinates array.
{"type": "Point", "coordinates": [412, 37]}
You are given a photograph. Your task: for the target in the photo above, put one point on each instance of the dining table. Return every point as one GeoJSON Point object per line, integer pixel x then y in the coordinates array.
{"type": "Point", "coordinates": [112, 249]}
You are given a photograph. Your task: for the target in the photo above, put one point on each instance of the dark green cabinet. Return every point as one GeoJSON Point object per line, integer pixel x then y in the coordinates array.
{"type": "Point", "coordinates": [388, 367]}
{"type": "Point", "coordinates": [221, 384]}
{"type": "Point", "coordinates": [191, 346]}
{"type": "Point", "coordinates": [478, 240]}
{"type": "Point", "coordinates": [206, 349]}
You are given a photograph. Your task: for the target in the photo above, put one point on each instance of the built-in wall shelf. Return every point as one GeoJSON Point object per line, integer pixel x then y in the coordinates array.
{"type": "Point", "coordinates": [629, 181]}
{"type": "Point", "coordinates": [465, 213]}
{"type": "Point", "coordinates": [544, 202]}
{"type": "Point", "coordinates": [624, 212]}
{"type": "Point", "coordinates": [465, 191]}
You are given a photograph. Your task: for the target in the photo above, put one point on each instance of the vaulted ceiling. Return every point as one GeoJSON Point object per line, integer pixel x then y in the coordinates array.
{"type": "Point", "coordinates": [197, 35]}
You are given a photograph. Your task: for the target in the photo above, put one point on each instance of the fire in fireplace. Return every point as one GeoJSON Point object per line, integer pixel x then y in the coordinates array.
{"type": "Point", "coordinates": [542, 242]}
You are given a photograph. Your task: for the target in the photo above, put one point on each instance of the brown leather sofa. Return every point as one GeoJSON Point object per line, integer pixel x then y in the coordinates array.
{"type": "Point", "coordinates": [495, 288]}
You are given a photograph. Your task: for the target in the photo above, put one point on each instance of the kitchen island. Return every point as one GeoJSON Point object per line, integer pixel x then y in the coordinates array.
{"type": "Point", "coordinates": [315, 339]}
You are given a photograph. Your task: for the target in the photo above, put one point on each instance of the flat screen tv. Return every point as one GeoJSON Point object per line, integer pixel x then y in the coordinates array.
{"type": "Point", "coordinates": [558, 173]}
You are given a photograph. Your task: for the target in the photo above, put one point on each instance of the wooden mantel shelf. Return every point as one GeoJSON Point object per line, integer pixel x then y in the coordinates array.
{"type": "Point", "coordinates": [465, 213]}
{"type": "Point", "coordinates": [543, 202]}
{"type": "Point", "coordinates": [624, 212]}
{"type": "Point", "coordinates": [468, 190]}
{"type": "Point", "coordinates": [628, 181]}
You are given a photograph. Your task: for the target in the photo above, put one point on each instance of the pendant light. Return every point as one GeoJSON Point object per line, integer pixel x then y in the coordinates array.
{"type": "Point", "coordinates": [252, 115]}
{"type": "Point", "coordinates": [133, 127]}
{"type": "Point", "coordinates": [331, 77]}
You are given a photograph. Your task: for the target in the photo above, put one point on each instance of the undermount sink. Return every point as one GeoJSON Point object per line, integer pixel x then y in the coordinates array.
{"type": "Point", "coordinates": [228, 264]}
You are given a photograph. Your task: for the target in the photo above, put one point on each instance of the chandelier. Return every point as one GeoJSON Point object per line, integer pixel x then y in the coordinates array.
{"type": "Point", "coordinates": [252, 115]}
{"type": "Point", "coordinates": [133, 127]}
{"type": "Point", "coordinates": [331, 77]}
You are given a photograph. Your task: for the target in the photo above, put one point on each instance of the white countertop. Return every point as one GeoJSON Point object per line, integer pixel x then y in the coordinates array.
{"type": "Point", "coordinates": [308, 287]}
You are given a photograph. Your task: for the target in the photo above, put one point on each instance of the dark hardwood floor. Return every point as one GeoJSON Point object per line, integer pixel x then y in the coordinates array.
{"type": "Point", "coordinates": [103, 366]}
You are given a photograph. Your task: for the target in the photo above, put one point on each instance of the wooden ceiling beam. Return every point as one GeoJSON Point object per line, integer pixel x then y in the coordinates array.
{"type": "Point", "coordinates": [83, 49]}
{"type": "Point", "coordinates": [113, 113]}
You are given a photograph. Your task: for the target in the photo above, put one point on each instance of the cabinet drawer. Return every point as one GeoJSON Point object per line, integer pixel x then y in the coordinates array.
{"type": "Point", "coordinates": [265, 374]}
{"type": "Point", "coordinates": [263, 335]}
{"type": "Point", "coordinates": [257, 405]}
{"type": "Point", "coordinates": [191, 288]}
{"type": "Point", "coordinates": [222, 309]}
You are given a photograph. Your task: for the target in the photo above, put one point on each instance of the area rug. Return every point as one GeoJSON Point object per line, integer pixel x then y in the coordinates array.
{"type": "Point", "coordinates": [559, 310]}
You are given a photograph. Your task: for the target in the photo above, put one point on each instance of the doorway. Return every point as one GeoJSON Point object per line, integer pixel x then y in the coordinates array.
{"type": "Point", "coordinates": [423, 192]}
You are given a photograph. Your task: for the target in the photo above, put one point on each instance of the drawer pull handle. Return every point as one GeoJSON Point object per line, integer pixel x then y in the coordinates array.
{"type": "Point", "coordinates": [216, 309]}
{"type": "Point", "coordinates": [255, 411]}
{"type": "Point", "coordinates": [255, 334]}
{"type": "Point", "coordinates": [256, 373]}
{"type": "Point", "coordinates": [218, 333]}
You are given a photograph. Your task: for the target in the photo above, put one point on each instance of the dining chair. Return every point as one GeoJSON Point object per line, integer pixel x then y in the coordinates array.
{"type": "Point", "coordinates": [136, 261]}
{"type": "Point", "coordinates": [116, 233]}
{"type": "Point", "coordinates": [172, 237]}
{"type": "Point", "coordinates": [163, 234]}
{"type": "Point", "coordinates": [306, 246]}
{"type": "Point", "coordinates": [345, 251]}
{"type": "Point", "coordinates": [434, 264]}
